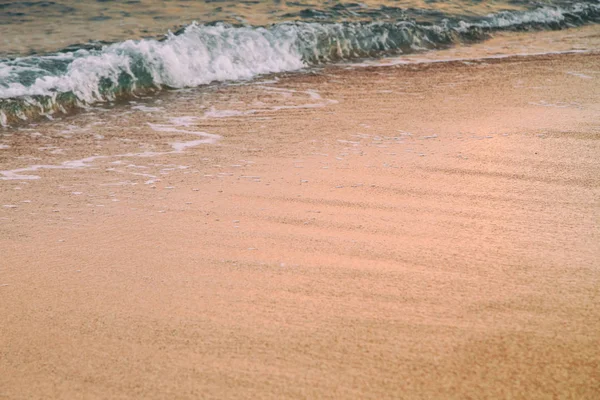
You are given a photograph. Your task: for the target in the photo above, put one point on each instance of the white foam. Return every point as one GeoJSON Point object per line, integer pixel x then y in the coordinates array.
{"type": "Point", "coordinates": [147, 109]}
{"type": "Point", "coordinates": [311, 93]}
{"type": "Point", "coordinates": [542, 15]}
{"type": "Point", "coordinates": [207, 138]}
{"type": "Point", "coordinates": [202, 54]}
{"type": "Point", "coordinates": [579, 75]}
{"type": "Point", "coordinates": [178, 147]}
{"type": "Point", "coordinates": [213, 113]}
{"type": "Point", "coordinates": [410, 59]}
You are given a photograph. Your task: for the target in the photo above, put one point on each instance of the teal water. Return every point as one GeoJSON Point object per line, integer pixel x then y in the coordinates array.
{"type": "Point", "coordinates": [58, 56]}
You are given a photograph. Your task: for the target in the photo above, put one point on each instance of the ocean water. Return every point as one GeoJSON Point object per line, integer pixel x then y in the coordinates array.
{"type": "Point", "coordinates": [60, 57]}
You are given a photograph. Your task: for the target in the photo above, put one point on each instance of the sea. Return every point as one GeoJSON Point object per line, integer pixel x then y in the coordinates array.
{"type": "Point", "coordinates": [62, 57]}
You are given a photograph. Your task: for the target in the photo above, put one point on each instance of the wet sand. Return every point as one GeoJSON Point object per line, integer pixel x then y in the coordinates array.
{"type": "Point", "coordinates": [423, 231]}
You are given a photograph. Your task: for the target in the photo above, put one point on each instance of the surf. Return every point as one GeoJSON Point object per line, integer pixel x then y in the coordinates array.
{"type": "Point", "coordinates": [78, 77]}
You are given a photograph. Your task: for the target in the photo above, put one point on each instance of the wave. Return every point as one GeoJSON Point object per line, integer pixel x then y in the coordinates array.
{"type": "Point", "coordinates": [44, 85]}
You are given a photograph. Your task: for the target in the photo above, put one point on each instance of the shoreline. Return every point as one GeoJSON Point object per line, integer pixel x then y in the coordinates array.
{"type": "Point", "coordinates": [22, 105]}
{"type": "Point", "coordinates": [432, 233]}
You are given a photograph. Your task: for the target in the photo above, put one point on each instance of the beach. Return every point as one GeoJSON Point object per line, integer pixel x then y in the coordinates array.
{"type": "Point", "coordinates": [413, 230]}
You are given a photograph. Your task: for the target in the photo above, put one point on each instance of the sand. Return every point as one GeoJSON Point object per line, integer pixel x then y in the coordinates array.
{"type": "Point", "coordinates": [422, 231]}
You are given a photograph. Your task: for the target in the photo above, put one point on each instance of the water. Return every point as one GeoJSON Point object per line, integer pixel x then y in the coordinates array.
{"type": "Point", "coordinates": [57, 57]}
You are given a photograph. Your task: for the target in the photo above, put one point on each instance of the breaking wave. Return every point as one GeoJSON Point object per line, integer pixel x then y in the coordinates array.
{"type": "Point", "coordinates": [44, 85]}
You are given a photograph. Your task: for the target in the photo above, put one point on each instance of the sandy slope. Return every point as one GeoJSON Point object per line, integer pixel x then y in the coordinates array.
{"type": "Point", "coordinates": [434, 234]}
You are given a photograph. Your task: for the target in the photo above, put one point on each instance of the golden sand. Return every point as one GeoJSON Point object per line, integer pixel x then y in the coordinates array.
{"type": "Point", "coordinates": [431, 234]}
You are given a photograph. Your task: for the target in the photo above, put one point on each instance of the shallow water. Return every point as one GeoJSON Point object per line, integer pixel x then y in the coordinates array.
{"type": "Point", "coordinates": [33, 27]}
{"type": "Point", "coordinates": [61, 57]}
